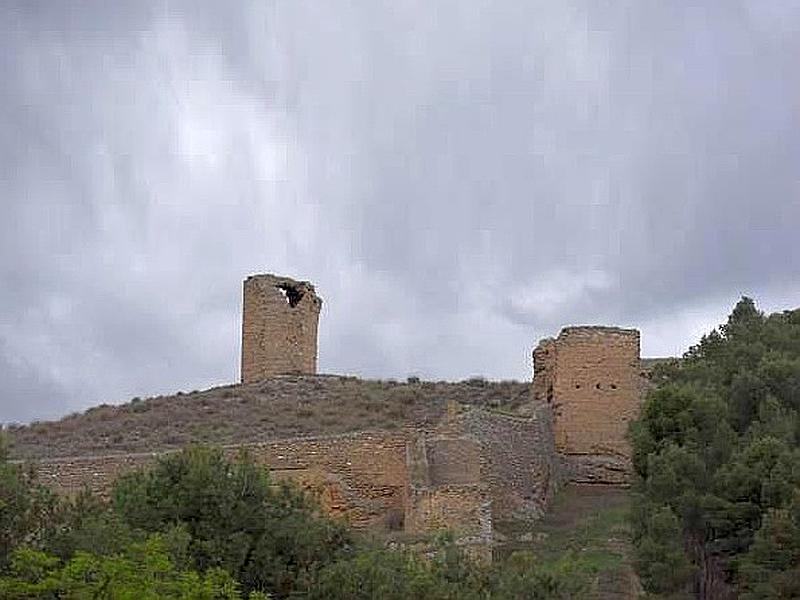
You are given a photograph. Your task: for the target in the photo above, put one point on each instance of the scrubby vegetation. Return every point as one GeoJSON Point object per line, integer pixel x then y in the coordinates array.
{"type": "Point", "coordinates": [717, 455]}
{"type": "Point", "coordinates": [200, 526]}
{"type": "Point", "coordinates": [589, 527]}
{"type": "Point", "coordinates": [279, 407]}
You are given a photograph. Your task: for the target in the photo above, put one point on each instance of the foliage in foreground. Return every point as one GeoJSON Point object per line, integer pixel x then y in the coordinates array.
{"type": "Point", "coordinates": [269, 537]}
{"type": "Point", "coordinates": [145, 572]}
{"type": "Point", "coordinates": [405, 575]}
{"type": "Point", "coordinates": [201, 526]}
{"type": "Point", "coordinates": [717, 456]}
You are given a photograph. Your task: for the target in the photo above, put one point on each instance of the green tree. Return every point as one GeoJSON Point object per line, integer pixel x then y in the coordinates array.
{"type": "Point", "coordinates": [386, 574]}
{"type": "Point", "coordinates": [143, 572]}
{"type": "Point", "coordinates": [716, 455]}
{"type": "Point", "coordinates": [524, 577]}
{"type": "Point", "coordinates": [270, 537]}
{"type": "Point", "coordinates": [771, 568]}
{"type": "Point", "coordinates": [661, 560]}
{"type": "Point", "coordinates": [27, 509]}
{"type": "Point", "coordinates": [85, 523]}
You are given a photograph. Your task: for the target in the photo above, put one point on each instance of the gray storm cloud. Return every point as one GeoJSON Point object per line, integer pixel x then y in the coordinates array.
{"type": "Point", "coordinates": [458, 178]}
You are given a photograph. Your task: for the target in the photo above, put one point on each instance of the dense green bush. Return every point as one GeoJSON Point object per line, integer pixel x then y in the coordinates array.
{"type": "Point", "coordinates": [717, 458]}
{"type": "Point", "coordinates": [143, 572]}
{"type": "Point", "coordinates": [210, 515]}
{"type": "Point", "coordinates": [268, 536]}
{"type": "Point", "coordinates": [450, 575]}
{"type": "Point", "coordinates": [390, 575]}
{"type": "Point", "coordinates": [27, 509]}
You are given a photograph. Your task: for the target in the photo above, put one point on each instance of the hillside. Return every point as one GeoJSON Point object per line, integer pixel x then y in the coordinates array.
{"type": "Point", "coordinates": [279, 407]}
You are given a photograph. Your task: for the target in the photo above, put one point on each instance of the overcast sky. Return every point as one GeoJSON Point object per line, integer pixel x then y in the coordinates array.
{"type": "Point", "coordinates": [459, 179]}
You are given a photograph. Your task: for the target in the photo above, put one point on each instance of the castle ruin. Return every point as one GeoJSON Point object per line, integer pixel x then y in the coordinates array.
{"type": "Point", "coordinates": [590, 377]}
{"type": "Point", "coordinates": [279, 327]}
{"type": "Point", "coordinates": [492, 452]}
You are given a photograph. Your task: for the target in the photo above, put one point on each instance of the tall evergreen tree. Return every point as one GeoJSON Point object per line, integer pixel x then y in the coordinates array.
{"type": "Point", "coordinates": [717, 461]}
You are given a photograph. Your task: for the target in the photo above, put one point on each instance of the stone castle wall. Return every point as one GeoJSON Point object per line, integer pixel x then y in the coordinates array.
{"type": "Point", "coordinates": [446, 491]}
{"type": "Point", "coordinates": [70, 475]}
{"type": "Point", "coordinates": [518, 461]}
{"type": "Point", "coordinates": [476, 467]}
{"type": "Point", "coordinates": [591, 377]}
{"type": "Point", "coordinates": [280, 317]}
{"type": "Point", "coordinates": [544, 371]}
{"type": "Point", "coordinates": [365, 478]}
{"type": "Point", "coordinates": [479, 468]}
{"type": "Point", "coordinates": [463, 509]}
{"type": "Point", "coordinates": [360, 477]}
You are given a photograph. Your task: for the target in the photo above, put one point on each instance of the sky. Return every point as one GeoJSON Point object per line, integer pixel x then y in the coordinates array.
{"type": "Point", "coordinates": [459, 179]}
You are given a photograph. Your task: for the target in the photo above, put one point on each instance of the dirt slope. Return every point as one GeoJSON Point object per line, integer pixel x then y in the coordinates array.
{"type": "Point", "coordinates": [279, 407]}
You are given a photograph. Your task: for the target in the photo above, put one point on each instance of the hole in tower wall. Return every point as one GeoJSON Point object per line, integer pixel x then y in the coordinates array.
{"type": "Point", "coordinates": [291, 294]}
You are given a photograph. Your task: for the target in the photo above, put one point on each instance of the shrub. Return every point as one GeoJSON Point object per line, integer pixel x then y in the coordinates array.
{"type": "Point", "coordinates": [716, 456]}
{"type": "Point", "coordinates": [144, 571]}
{"type": "Point", "coordinates": [270, 537]}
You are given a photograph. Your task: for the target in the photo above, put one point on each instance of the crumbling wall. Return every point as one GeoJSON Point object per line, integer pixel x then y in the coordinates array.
{"type": "Point", "coordinates": [445, 490]}
{"type": "Point", "coordinates": [70, 475]}
{"type": "Point", "coordinates": [464, 510]}
{"type": "Point", "coordinates": [388, 480]}
{"type": "Point", "coordinates": [360, 477]}
{"type": "Point", "coordinates": [472, 469]}
{"type": "Point", "coordinates": [480, 467]}
{"type": "Point", "coordinates": [518, 461]}
{"type": "Point", "coordinates": [544, 371]}
{"type": "Point", "coordinates": [280, 317]}
{"type": "Point", "coordinates": [453, 461]}
{"type": "Point", "coordinates": [596, 393]}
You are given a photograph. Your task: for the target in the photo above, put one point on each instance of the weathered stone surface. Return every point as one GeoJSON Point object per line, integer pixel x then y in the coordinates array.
{"type": "Point", "coordinates": [591, 376]}
{"type": "Point", "coordinates": [280, 317]}
{"type": "Point", "coordinates": [462, 509]}
{"type": "Point", "coordinates": [544, 371]}
{"type": "Point", "coordinates": [445, 489]}
{"type": "Point", "coordinates": [605, 469]}
{"type": "Point", "coordinates": [359, 477]}
{"type": "Point", "coordinates": [518, 461]}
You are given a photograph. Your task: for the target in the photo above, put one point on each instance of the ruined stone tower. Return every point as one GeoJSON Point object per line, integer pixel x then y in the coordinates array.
{"type": "Point", "coordinates": [279, 327]}
{"type": "Point", "coordinates": [590, 377]}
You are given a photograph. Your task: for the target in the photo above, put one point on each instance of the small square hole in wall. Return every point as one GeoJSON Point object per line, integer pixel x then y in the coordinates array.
{"type": "Point", "coordinates": [613, 386]}
{"type": "Point", "coordinates": [597, 386]}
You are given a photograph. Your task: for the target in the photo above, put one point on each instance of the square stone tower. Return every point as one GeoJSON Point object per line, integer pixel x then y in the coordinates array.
{"type": "Point", "coordinates": [591, 378]}
{"type": "Point", "coordinates": [280, 317]}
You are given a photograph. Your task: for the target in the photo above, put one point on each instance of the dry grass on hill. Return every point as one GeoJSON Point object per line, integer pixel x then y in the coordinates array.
{"type": "Point", "coordinates": [279, 407]}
